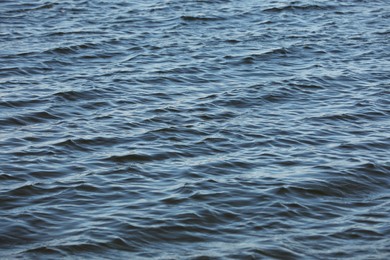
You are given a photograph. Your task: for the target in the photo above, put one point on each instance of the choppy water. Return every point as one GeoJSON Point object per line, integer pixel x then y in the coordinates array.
{"type": "Point", "coordinates": [195, 129]}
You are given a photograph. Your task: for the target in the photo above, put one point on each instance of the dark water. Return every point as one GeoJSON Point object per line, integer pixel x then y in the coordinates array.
{"type": "Point", "coordinates": [194, 129]}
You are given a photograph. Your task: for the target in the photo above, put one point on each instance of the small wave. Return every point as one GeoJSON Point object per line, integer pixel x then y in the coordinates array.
{"type": "Point", "coordinates": [353, 118]}
{"type": "Point", "coordinates": [82, 249]}
{"type": "Point", "coordinates": [132, 157]}
{"type": "Point", "coordinates": [28, 118]}
{"type": "Point", "coordinates": [306, 8]}
{"type": "Point", "coordinates": [265, 55]}
{"type": "Point", "coordinates": [357, 233]}
{"type": "Point", "coordinates": [190, 18]}
{"type": "Point", "coordinates": [7, 177]}
{"type": "Point", "coordinates": [357, 182]}
{"type": "Point", "coordinates": [23, 71]}
{"type": "Point", "coordinates": [22, 103]}
{"type": "Point", "coordinates": [72, 49]}
{"type": "Point", "coordinates": [74, 32]}
{"type": "Point", "coordinates": [271, 252]}
{"type": "Point", "coordinates": [71, 146]}
{"type": "Point", "coordinates": [309, 86]}
{"type": "Point", "coordinates": [79, 95]}
{"type": "Point", "coordinates": [44, 250]}
{"type": "Point", "coordinates": [29, 7]}
{"type": "Point", "coordinates": [31, 190]}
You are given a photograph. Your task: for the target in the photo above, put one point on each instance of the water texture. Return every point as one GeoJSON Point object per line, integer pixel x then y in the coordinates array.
{"type": "Point", "coordinates": [195, 129]}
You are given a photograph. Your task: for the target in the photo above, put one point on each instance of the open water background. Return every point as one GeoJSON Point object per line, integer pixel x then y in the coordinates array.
{"type": "Point", "coordinates": [194, 129]}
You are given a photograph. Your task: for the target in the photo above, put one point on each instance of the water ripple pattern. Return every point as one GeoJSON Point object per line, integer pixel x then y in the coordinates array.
{"type": "Point", "coordinates": [197, 129]}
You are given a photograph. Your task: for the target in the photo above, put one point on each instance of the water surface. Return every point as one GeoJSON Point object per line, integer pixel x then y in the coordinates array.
{"type": "Point", "coordinates": [194, 129]}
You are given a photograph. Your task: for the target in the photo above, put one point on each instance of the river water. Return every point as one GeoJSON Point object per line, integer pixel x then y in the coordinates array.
{"type": "Point", "coordinates": [194, 129]}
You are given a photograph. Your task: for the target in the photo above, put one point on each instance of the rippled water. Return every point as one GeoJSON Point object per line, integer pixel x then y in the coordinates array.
{"type": "Point", "coordinates": [195, 129]}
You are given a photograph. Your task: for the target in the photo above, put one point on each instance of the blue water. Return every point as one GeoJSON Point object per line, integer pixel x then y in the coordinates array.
{"type": "Point", "coordinates": [171, 129]}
